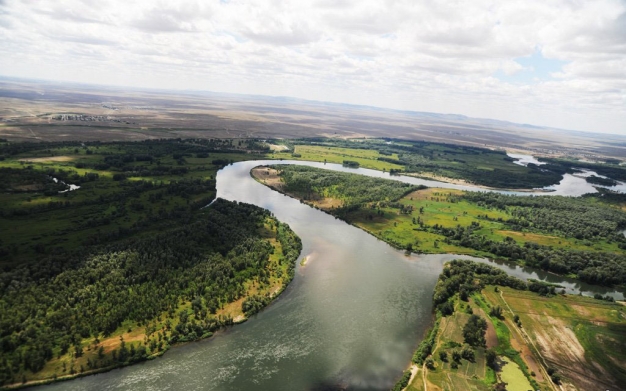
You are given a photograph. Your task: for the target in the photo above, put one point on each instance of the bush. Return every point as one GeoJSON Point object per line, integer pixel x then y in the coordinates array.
{"type": "Point", "coordinates": [468, 354]}
{"type": "Point", "coordinates": [496, 312]}
{"type": "Point", "coordinates": [474, 331]}
{"type": "Point", "coordinates": [446, 308]}
{"type": "Point", "coordinates": [403, 382]}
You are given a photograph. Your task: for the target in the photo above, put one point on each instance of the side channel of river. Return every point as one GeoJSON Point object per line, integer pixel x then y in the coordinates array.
{"type": "Point", "coordinates": [350, 319]}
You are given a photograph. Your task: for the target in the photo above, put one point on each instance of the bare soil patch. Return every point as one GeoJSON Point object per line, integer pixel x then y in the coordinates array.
{"type": "Point", "coordinates": [268, 176]}
{"type": "Point", "coordinates": [562, 349]}
{"type": "Point", "coordinates": [48, 159]}
{"type": "Point", "coordinates": [518, 343]}
{"type": "Point", "coordinates": [113, 343]}
{"type": "Point", "coordinates": [425, 194]}
{"type": "Point", "coordinates": [490, 336]}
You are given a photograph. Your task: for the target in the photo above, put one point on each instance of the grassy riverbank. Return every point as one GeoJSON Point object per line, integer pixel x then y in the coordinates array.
{"type": "Point", "coordinates": [578, 237]}
{"type": "Point", "coordinates": [529, 341]}
{"type": "Point", "coordinates": [131, 263]}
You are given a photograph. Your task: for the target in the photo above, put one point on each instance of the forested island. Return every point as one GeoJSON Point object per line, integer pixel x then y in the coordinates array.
{"type": "Point", "coordinates": [132, 262]}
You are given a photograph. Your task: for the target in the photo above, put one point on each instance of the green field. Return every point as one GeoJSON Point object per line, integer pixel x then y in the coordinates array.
{"type": "Point", "coordinates": [513, 376]}
{"type": "Point", "coordinates": [447, 209]}
{"type": "Point", "coordinates": [572, 334]}
{"type": "Point", "coordinates": [469, 375]}
{"type": "Point", "coordinates": [367, 158]}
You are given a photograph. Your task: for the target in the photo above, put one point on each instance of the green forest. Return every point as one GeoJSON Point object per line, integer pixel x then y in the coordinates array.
{"type": "Point", "coordinates": [311, 184]}
{"type": "Point", "coordinates": [132, 262]}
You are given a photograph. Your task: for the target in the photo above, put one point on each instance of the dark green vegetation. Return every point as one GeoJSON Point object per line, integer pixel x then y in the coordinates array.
{"type": "Point", "coordinates": [474, 331]}
{"type": "Point", "coordinates": [579, 237]}
{"type": "Point", "coordinates": [610, 168]}
{"type": "Point", "coordinates": [475, 165]}
{"type": "Point", "coordinates": [126, 188]}
{"type": "Point", "coordinates": [130, 263]}
{"type": "Point", "coordinates": [403, 382]}
{"type": "Point", "coordinates": [564, 217]}
{"type": "Point", "coordinates": [530, 338]}
{"type": "Point", "coordinates": [313, 184]}
{"type": "Point", "coordinates": [596, 180]}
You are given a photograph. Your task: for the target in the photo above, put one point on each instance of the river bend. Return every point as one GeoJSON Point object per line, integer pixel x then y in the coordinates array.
{"type": "Point", "coordinates": [350, 319]}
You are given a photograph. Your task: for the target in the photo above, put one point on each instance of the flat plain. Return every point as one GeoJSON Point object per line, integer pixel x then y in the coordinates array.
{"type": "Point", "coordinates": [39, 111]}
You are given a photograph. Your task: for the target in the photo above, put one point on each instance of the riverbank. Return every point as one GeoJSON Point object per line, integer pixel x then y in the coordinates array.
{"type": "Point", "coordinates": [461, 182]}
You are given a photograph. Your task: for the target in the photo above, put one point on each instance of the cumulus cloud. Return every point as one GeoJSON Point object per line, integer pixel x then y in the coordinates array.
{"type": "Point", "coordinates": [443, 56]}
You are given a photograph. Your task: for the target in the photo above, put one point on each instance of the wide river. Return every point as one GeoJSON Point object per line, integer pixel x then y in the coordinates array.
{"type": "Point", "coordinates": [350, 319]}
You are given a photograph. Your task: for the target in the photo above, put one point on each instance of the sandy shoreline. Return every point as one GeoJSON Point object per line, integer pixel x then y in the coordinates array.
{"type": "Point", "coordinates": [462, 182]}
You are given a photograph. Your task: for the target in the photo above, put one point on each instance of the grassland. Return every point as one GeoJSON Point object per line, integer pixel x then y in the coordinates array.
{"type": "Point", "coordinates": [139, 115]}
{"type": "Point", "coordinates": [367, 158]}
{"type": "Point", "coordinates": [450, 163]}
{"type": "Point", "coordinates": [446, 208]}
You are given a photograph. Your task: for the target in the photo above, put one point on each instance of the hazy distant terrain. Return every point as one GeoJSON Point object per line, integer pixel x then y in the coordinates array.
{"type": "Point", "coordinates": [31, 111]}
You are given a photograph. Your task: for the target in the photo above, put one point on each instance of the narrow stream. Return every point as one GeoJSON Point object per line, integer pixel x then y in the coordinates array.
{"type": "Point", "coordinates": [350, 319]}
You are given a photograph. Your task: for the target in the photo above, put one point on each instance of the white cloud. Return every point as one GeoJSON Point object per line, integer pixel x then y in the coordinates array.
{"type": "Point", "coordinates": [433, 55]}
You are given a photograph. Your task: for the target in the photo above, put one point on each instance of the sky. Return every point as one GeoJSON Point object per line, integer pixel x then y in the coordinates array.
{"type": "Point", "coordinates": [549, 62]}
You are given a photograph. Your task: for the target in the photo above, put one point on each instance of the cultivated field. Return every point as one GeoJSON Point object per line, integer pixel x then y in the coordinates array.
{"type": "Point", "coordinates": [582, 337]}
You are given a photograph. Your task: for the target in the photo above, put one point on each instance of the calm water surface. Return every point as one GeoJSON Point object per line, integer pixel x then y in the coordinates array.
{"type": "Point", "coordinates": [524, 160]}
{"type": "Point", "coordinates": [350, 319]}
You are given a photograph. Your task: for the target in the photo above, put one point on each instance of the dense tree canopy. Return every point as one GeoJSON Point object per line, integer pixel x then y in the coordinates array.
{"type": "Point", "coordinates": [206, 261]}
{"type": "Point", "coordinates": [312, 183]}
{"type": "Point", "coordinates": [133, 250]}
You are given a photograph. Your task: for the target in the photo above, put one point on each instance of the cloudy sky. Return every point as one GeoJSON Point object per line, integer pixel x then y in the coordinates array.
{"type": "Point", "coordinates": [546, 62]}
